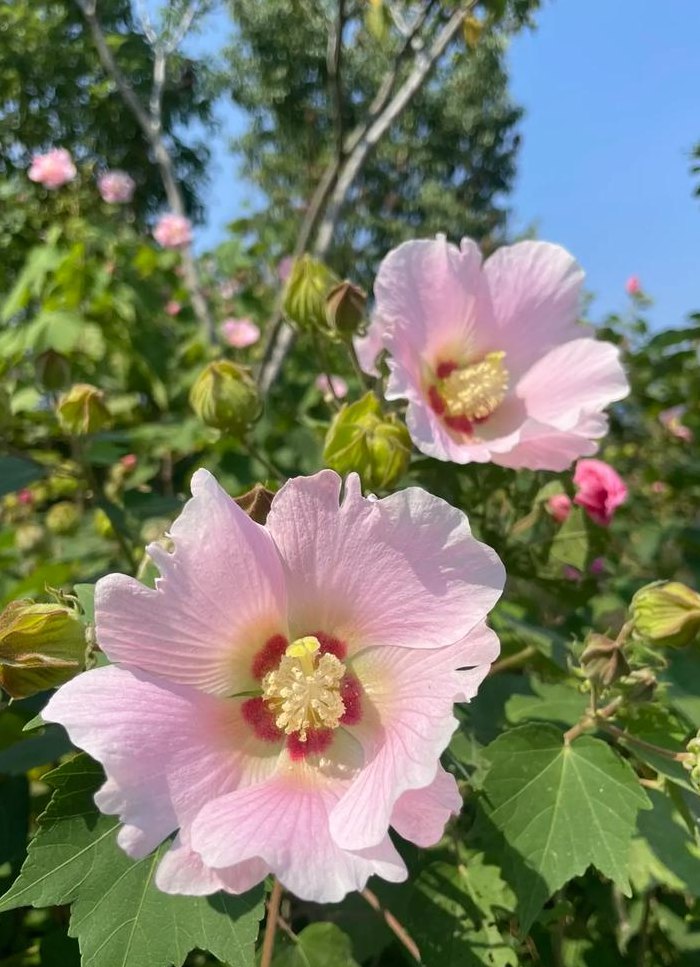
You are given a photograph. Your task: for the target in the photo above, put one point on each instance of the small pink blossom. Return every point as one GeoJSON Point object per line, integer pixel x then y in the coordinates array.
{"type": "Point", "coordinates": [116, 187]}
{"type": "Point", "coordinates": [597, 566]}
{"type": "Point", "coordinates": [284, 268]}
{"type": "Point", "coordinates": [173, 307]}
{"type": "Point", "coordinates": [659, 487]}
{"type": "Point", "coordinates": [240, 333]}
{"type": "Point", "coordinates": [333, 386]}
{"type": "Point", "coordinates": [559, 506]}
{"type": "Point", "coordinates": [25, 496]}
{"type": "Point", "coordinates": [129, 461]}
{"type": "Point", "coordinates": [571, 573]}
{"type": "Point", "coordinates": [600, 490]}
{"type": "Point", "coordinates": [377, 608]}
{"type": "Point", "coordinates": [491, 358]}
{"type": "Point", "coordinates": [53, 169]}
{"type": "Point", "coordinates": [173, 231]}
{"type": "Point", "coordinates": [671, 419]}
{"type": "Point", "coordinates": [633, 286]}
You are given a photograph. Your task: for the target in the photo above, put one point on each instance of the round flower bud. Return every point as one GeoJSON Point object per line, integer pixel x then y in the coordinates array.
{"type": "Point", "coordinates": [82, 410]}
{"type": "Point", "coordinates": [41, 646]}
{"type": "Point", "coordinates": [667, 613]}
{"type": "Point", "coordinates": [102, 524]}
{"type": "Point", "coordinates": [603, 661]}
{"type": "Point", "coordinates": [639, 685]}
{"type": "Point", "coordinates": [362, 439]}
{"type": "Point", "coordinates": [29, 537]}
{"type": "Point", "coordinates": [345, 308]}
{"type": "Point", "coordinates": [225, 397]}
{"type": "Point", "coordinates": [305, 293]}
{"type": "Point", "coordinates": [52, 370]}
{"type": "Point", "coordinates": [62, 518]}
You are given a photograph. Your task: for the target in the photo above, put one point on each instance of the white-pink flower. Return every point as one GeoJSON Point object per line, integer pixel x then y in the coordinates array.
{"type": "Point", "coordinates": [173, 231]}
{"type": "Point", "coordinates": [284, 693]}
{"type": "Point", "coordinates": [331, 386]}
{"type": "Point", "coordinates": [116, 187]}
{"type": "Point", "coordinates": [53, 169]}
{"type": "Point", "coordinates": [492, 360]}
{"type": "Point", "coordinates": [240, 332]}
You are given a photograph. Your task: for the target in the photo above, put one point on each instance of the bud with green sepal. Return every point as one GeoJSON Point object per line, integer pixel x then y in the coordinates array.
{"type": "Point", "coordinates": [225, 397]}
{"type": "Point", "coordinates": [639, 686]}
{"type": "Point", "coordinates": [82, 410]}
{"type": "Point", "coordinates": [305, 293]}
{"type": "Point", "coordinates": [363, 439]}
{"type": "Point", "coordinates": [41, 646]}
{"type": "Point", "coordinates": [345, 309]}
{"type": "Point", "coordinates": [603, 661]}
{"type": "Point", "coordinates": [666, 613]}
{"type": "Point", "coordinates": [63, 517]}
{"type": "Point", "coordinates": [52, 370]}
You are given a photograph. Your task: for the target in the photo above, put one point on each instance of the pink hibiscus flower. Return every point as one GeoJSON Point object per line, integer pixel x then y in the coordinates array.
{"type": "Point", "coordinates": [600, 490]}
{"type": "Point", "coordinates": [491, 358]}
{"type": "Point", "coordinates": [173, 231]}
{"type": "Point", "coordinates": [53, 169]}
{"type": "Point", "coordinates": [116, 187]}
{"type": "Point", "coordinates": [284, 694]}
{"type": "Point", "coordinates": [240, 333]}
{"type": "Point", "coordinates": [331, 386]}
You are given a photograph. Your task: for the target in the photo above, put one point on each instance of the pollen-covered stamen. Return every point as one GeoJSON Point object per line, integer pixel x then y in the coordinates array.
{"type": "Point", "coordinates": [304, 691]}
{"type": "Point", "coordinates": [473, 392]}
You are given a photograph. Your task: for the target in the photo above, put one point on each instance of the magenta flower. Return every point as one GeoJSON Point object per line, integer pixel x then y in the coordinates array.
{"type": "Point", "coordinates": [116, 187]}
{"type": "Point", "coordinates": [53, 169]}
{"type": "Point", "coordinates": [559, 506]}
{"type": "Point", "coordinates": [331, 386]}
{"type": "Point", "coordinates": [491, 359]}
{"type": "Point", "coordinates": [600, 490]}
{"type": "Point", "coordinates": [173, 231]}
{"type": "Point", "coordinates": [284, 694]}
{"type": "Point", "coordinates": [633, 286]}
{"type": "Point", "coordinates": [240, 333]}
{"type": "Point", "coordinates": [672, 420]}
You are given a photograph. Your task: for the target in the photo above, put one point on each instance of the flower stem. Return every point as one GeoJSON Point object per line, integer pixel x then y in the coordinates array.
{"type": "Point", "coordinates": [273, 912]}
{"type": "Point", "coordinates": [640, 743]}
{"type": "Point", "coordinates": [589, 721]}
{"type": "Point", "coordinates": [392, 923]}
{"type": "Point", "coordinates": [514, 661]}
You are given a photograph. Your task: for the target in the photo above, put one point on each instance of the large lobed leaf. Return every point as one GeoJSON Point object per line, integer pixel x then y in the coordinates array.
{"type": "Point", "coordinates": [117, 914]}
{"type": "Point", "coordinates": [557, 809]}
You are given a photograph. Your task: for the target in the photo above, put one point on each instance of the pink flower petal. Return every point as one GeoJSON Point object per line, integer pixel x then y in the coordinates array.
{"type": "Point", "coordinates": [420, 815]}
{"type": "Point", "coordinates": [182, 871]}
{"type": "Point", "coordinates": [600, 490]}
{"type": "Point", "coordinates": [369, 346]}
{"type": "Point", "coordinates": [403, 570]}
{"type": "Point", "coordinates": [220, 598]}
{"type": "Point", "coordinates": [284, 822]}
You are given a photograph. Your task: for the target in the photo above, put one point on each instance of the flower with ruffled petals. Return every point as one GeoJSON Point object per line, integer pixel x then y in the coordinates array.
{"type": "Point", "coordinates": [283, 695]}
{"type": "Point", "coordinates": [600, 490]}
{"type": "Point", "coordinates": [492, 360]}
{"type": "Point", "coordinates": [116, 187]}
{"type": "Point", "coordinates": [53, 169]}
{"type": "Point", "coordinates": [672, 420]}
{"type": "Point", "coordinates": [332, 387]}
{"type": "Point", "coordinates": [559, 506]}
{"type": "Point", "coordinates": [240, 333]}
{"type": "Point", "coordinates": [173, 231]}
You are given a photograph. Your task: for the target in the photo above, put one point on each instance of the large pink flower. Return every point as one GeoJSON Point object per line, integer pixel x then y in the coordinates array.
{"type": "Point", "coordinates": [173, 231]}
{"type": "Point", "coordinates": [600, 490]}
{"type": "Point", "coordinates": [53, 169]}
{"type": "Point", "coordinates": [491, 358]}
{"type": "Point", "coordinates": [284, 694]}
{"type": "Point", "coordinates": [116, 187]}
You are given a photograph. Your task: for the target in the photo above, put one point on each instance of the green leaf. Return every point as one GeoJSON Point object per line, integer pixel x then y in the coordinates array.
{"type": "Point", "coordinates": [452, 916]}
{"type": "Point", "coordinates": [318, 945]}
{"type": "Point", "coordinates": [665, 852]}
{"type": "Point", "coordinates": [550, 703]}
{"type": "Point", "coordinates": [16, 473]}
{"type": "Point", "coordinates": [683, 677]}
{"type": "Point", "coordinates": [570, 544]}
{"type": "Point", "coordinates": [117, 914]}
{"type": "Point", "coordinates": [85, 593]}
{"type": "Point", "coordinates": [557, 810]}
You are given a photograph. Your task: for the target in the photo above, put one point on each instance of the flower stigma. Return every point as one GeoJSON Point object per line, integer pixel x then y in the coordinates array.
{"type": "Point", "coordinates": [303, 692]}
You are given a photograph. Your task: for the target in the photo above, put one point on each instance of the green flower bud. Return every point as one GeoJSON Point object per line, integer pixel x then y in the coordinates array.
{"type": "Point", "coordinates": [305, 293]}
{"type": "Point", "coordinates": [345, 308]}
{"type": "Point", "coordinates": [639, 685]}
{"type": "Point", "coordinates": [82, 410]}
{"type": "Point", "coordinates": [102, 524]}
{"type": "Point", "coordinates": [361, 438]}
{"type": "Point", "coordinates": [62, 518]}
{"type": "Point", "coordinates": [41, 646]}
{"type": "Point", "coordinates": [52, 370]}
{"type": "Point", "coordinates": [225, 397]}
{"type": "Point", "coordinates": [667, 613]}
{"type": "Point", "coordinates": [29, 537]}
{"type": "Point", "coordinates": [603, 661]}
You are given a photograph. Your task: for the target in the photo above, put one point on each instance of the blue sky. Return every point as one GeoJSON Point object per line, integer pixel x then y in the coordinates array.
{"type": "Point", "coordinates": [610, 90]}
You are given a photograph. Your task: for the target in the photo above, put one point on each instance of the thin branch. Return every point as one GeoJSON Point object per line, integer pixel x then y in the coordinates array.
{"type": "Point", "coordinates": [392, 923]}
{"type": "Point", "coordinates": [273, 912]}
{"type": "Point", "coordinates": [589, 721]}
{"type": "Point", "coordinates": [623, 736]}
{"type": "Point", "coordinates": [517, 660]}
{"type": "Point", "coordinates": [150, 123]}
{"type": "Point", "coordinates": [334, 64]}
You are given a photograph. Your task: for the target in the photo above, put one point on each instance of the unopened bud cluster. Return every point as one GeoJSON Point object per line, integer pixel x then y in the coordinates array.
{"type": "Point", "coordinates": [363, 439]}
{"type": "Point", "coordinates": [692, 760]}
{"type": "Point", "coordinates": [314, 298]}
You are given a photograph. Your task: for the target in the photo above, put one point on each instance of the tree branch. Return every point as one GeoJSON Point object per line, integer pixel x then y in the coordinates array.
{"type": "Point", "coordinates": [150, 123]}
